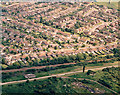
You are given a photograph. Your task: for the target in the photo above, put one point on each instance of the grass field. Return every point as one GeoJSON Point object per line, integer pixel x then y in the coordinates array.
{"type": "Point", "coordinates": [54, 85]}
{"type": "Point", "coordinates": [14, 76]}
{"type": "Point", "coordinates": [109, 77]}
{"type": "Point", "coordinates": [107, 0]}
{"type": "Point", "coordinates": [111, 5]}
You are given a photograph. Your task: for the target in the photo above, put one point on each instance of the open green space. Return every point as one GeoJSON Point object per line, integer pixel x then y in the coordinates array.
{"type": "Point", "coordinates": [19, 75]}
{"type": "Point", "coordinates": [54, 85]}
{"type": "Point", "coordinates": [108, 77]}
{"type": "Point", "coordinates": [111, 5]}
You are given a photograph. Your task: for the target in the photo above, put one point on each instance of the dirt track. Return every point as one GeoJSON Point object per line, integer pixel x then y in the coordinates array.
{"type": "Point", "coordinates": [20, 81]}
{"type": "Point", "coordinates": [37, 67]}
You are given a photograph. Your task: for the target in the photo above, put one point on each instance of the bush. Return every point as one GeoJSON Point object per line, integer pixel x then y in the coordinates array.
{"type": "Point", "coordinates": [31, 70]}
{"type": "Point", "coordinates": [90, 72]}
{"type": "Point", "coordinates": [83, 45]}
{"type": "Point", "coordinates": [104, 83]}
{"type": "Point", "coordinates": [27, 81]}
{"type": "Point", "coordinates": [4, 66]}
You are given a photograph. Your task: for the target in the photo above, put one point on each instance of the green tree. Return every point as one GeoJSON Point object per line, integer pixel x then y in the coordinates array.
{"type": "Point", "coordinates": [76, 40]}
{"type": "Point", "coordinates": [55, 47]}
{"type": "Point", "coordinates": [83, 45]}
{"type": "Point", "coordinates": [27, 81]}
{"type": "Point", "coordinates": [3, 61]}
{"type": "Point", "coordinates": [90, 72]}
{"type": "Point", "coordinates": [41, 20]}
{"type": "Point", "coordinates": [26, 58]}
{"type": "Point", "coordinates": [94, 44]}
{"type": "Point", "coordinates": [79, 57]}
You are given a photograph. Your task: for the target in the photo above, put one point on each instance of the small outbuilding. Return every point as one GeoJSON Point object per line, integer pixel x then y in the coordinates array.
{"type": "Point", "coordinates": [29, 76]}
